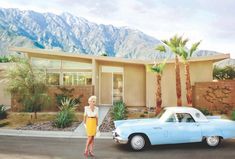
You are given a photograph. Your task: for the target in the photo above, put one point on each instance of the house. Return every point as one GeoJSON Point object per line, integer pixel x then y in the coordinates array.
{"type": "Point", "coordinates": [116, 79]}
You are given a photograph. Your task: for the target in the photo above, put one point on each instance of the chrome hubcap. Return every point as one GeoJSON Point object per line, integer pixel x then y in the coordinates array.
{"type": "Point", "coordinates": [212, 140]}
{"type": "Point", "coordinates": [137, 142]}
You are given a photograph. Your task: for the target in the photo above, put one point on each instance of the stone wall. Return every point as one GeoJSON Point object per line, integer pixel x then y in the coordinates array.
{"type": "Point", "coordinates": [85, 91]}
{"type": "Point", "coordinates": [216, 96]}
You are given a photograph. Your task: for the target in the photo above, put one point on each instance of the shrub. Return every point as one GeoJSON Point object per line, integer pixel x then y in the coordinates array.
{"type": "Point", "coordinates": [233, 115]}
{"type": "Point", "coordinates": [67, 113]}
{"type": "Point", "coordinates": [119, 111]}
{"type": "Point", "coordinates": [205, 111]}
{"type": "Point", "coordinates": [3, 112]}
{"type": "Point", "coordinates": [66, 93]}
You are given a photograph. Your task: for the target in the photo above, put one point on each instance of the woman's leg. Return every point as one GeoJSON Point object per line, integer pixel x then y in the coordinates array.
{"type": "Point", "coordinates": [92, 144]}
{"type": "Point", "coordinates": [88, 142]}
{"type": "Point", "coordinates": [91, 148]}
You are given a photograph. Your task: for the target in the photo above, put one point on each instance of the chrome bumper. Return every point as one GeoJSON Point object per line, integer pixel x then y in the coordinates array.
{"type": "Point", "coordinates": [118, 139]}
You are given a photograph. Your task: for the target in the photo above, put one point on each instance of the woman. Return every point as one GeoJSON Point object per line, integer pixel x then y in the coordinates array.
{"type": "Point", "coordinates": [91, 124]}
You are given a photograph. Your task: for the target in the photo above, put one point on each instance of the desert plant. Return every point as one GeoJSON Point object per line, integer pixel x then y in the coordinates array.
{"type": "Point", "coordinates": [66, 93]}
{"type": "Point", "coordinates": [27, 84]}
{"type": "Point", "coordinates": [3, 112]}
{"type": "Point", "coordinates": [119, 111]}
{"type": "Point", "coordinates": [233, 115]}
{"type": "Point", "coordinates": [67, 113]}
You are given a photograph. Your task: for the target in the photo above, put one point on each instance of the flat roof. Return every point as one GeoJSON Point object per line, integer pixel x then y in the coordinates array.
{"type": "Point", "coordinates": [60, 54]}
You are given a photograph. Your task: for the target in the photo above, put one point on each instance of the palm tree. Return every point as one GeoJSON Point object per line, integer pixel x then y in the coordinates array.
{"type": "Point", "coordinates": [158, 69]}
{"type": "Point", "coordinates": [185, 55]}
{"type": "Point", "coordinates": [175, 43]}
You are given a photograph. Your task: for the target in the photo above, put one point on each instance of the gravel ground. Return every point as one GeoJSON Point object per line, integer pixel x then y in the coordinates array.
{"type": "Point", "coordinates": [107, 125]}
{"type": "Point", "coordinates": [48, 126]}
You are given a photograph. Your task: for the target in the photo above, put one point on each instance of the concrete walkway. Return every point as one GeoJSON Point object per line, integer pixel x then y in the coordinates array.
{"type": "Point", "coordinates": [78, 133]}
{"type": "Point", "coordinates": [52, 134]}
{"type": "Point", "coordinates": [103, 110]}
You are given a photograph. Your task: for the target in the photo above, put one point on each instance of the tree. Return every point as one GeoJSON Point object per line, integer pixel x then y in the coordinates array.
{"type": "Point", "coordinates": [27, 84]}
{"type": "Point", "coordinates": [185, 55]}
{"type": "Point", "coordinates": [175, 43]}
{"type": "Point", "coordinates": [158, 69]}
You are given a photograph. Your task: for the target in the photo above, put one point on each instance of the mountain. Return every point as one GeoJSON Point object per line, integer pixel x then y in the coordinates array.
{"type": "Point", "coordinates": [226, 62]}
{"type": "Point", "coordinates": [69, 33]}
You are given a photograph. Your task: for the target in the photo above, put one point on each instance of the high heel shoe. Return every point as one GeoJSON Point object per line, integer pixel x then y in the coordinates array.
{"type": "Point", "coordinates": [86, 153]}
{"type": "Point", "coordinates": [91, 153]}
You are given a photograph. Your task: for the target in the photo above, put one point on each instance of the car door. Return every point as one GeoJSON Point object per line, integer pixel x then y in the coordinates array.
{"type": "Point", "coordinates": [158, 134]}
{"type": "Point", "coordinates": [185, 129]}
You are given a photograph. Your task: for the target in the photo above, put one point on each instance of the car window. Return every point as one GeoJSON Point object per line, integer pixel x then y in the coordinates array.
{"type": "Point", "coordinates": [171, 118]}
{"type": "Point", "coordinates": [185, 118]}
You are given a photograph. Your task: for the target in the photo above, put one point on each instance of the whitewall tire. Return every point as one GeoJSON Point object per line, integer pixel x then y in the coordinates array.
{"type": "Point", "coordinates": [137, 142]}
{"type": "Point", "coordinates": [213, 141]}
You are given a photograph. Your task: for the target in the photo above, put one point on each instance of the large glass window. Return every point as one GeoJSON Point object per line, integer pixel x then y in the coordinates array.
{"type": "Point", "coordinates": [78, 78]}
{"type": "Point", "coordinates": [46, 63]}
{"type": "Point", "coordinates": [60, 72]}
{"type": "Point", "coordinates": [53, 78]}
{"type": "Point", "coordinates": [76, 65]}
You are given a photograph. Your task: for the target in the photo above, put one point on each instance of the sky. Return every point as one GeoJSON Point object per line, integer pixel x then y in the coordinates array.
{"type": "Point", "coordinates": [212, 21]}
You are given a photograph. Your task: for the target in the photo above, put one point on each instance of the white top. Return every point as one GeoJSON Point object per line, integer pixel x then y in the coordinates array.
{"type": "Point", "coordinates": [195, 113]}
{"type": "Point", "coordinates": [89, 113]}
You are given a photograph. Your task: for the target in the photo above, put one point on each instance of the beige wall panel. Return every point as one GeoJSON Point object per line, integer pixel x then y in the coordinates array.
{"type": "Point", "coordinates": [199, 71]}
{"type": "Point", "coordinates": [134, 85]}
{"type": "Point", "coordinates": [106, 88]}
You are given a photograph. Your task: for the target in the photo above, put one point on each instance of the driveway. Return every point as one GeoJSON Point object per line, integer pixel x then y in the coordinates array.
{"type": "Point", "coordinates": [69, 148]}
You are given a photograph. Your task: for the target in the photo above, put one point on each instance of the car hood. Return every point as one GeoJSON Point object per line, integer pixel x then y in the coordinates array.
{"type": "Point", "coordinates": [133, 122]}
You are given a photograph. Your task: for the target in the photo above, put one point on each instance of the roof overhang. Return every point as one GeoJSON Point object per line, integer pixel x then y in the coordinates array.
{"type": "Point", "coordinates": [60, 54]}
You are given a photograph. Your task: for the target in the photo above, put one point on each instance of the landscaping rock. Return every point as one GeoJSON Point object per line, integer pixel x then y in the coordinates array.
{"type": "Point", "coordinates": [49, 126]}
{"type": "Point", "coordinates": [107, 125]}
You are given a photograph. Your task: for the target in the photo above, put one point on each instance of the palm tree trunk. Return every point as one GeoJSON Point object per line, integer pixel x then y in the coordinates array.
{"type": "Point", "coordinates": [178, 82]}
{"type": "Point", "coordinates": [158, 94]}
{"type": "Point", "coordinates": [188, 84]}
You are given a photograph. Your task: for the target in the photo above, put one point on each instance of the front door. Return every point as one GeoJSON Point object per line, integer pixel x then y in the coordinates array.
{"type": "Point", "coordinates": [111, 84]}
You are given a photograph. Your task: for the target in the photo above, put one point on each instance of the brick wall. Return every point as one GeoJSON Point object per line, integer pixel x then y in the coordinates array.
{"type": "Point", "coordinates": [216, 96]}
{"type": "Point", "coordinates": [85, 91]}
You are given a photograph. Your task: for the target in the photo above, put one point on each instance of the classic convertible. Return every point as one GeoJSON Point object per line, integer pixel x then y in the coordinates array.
{"type": "Point", "coordinates": [173, 125]}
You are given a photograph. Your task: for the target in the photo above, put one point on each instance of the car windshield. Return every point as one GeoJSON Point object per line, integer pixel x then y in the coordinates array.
{"type": "Point", "coordinates": [161, 113]}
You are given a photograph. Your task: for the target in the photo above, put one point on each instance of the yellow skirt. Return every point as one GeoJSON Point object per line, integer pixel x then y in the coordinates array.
{"type": "Point", "coordinates": [91, 126]}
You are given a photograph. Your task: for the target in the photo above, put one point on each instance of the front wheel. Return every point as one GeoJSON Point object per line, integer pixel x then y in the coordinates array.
{"type": "Point", "coordinates": [137, 142]}
{"type": "Point", "coordinates": [213, 141]}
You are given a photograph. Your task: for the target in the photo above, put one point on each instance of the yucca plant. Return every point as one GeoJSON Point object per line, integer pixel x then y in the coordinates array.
{"type": "Point", "coordinates": [119, 111]}
{"type": "Point", "coordinates": [3, 112]}
{"type": "Point", "coordinates": [67, 113]}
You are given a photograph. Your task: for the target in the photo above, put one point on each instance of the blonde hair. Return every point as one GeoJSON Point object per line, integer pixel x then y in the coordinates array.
{"type": "Point", "coordinates": [92, 98]}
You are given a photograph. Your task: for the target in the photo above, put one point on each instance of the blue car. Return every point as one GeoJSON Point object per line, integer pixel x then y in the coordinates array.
{"type": "Point", "coordinates": [174, 125]}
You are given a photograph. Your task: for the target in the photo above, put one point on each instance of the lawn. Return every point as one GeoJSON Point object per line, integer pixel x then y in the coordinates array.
{"type": "Point", "coordinates": [16, 120]}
